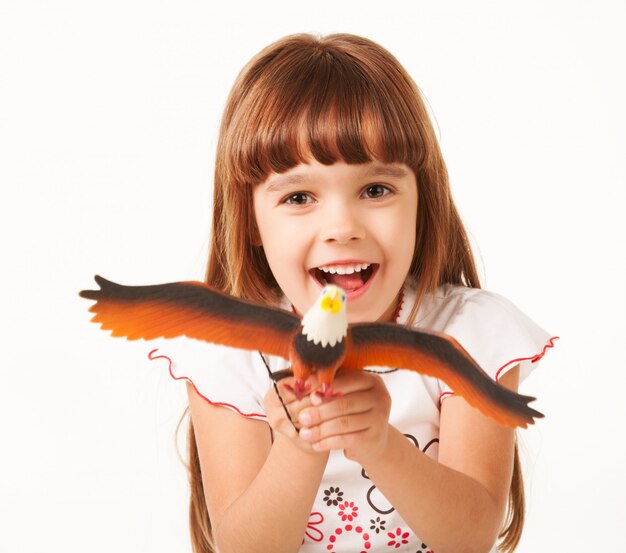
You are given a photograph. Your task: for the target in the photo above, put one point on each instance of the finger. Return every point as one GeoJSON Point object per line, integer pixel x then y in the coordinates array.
{"type": "Point", "coordinates": [294, 405]}
{"type": "Point", "coordinates": [340, 441]}
{"type": "Point", "coordinates": [286, 387]}
{"type": "Point", "coordinates": [285, 427]}
{"type": "Point", "coordinates": [285, 399]}
{"type": "Point", "coordinates": [339, 426]}
{"type": "Point", "coordinates": [289, 408]}
{"type": "Point", "coordinates": [350, 404]}
{"type": "Point", "coordinates": [283, 418]}
{"type": "Point", "coordinates": [354, 381]}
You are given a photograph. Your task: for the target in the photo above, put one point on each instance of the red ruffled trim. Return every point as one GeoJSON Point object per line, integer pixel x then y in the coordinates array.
{"type": "Point", "coordinates": [532, 359]}
{"type": "Point", "coordinates": [444, 395]}
{"type": "Point", "coordinates": [216, 403]}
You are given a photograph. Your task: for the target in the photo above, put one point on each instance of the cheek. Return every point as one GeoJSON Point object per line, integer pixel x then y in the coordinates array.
{"type": "Point", "coordinates": [400, 235]}
{"type": "Point", "coordinates": [268, 231]}
{"type": "Point", "coordinates": [283, 239]}
{"type": "Point", "coordinates": [283, 251]}
{"type": "Point", "coordinates": [280, 241]}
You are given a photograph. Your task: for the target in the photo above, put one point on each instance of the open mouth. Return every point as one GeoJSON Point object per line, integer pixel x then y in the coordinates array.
{"type": "Point", "coordinates": [350, 277]}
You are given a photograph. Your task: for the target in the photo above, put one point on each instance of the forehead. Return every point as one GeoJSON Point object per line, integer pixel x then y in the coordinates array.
{"type": "Point", "coordinates": [305, 172]}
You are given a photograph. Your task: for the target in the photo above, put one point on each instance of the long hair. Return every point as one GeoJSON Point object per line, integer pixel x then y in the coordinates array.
{"type": "Point", "coordinates": [335, 98]}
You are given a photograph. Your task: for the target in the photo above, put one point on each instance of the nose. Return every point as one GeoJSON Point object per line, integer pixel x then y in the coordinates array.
{"type": "Point", "coordinates": [341, 223]}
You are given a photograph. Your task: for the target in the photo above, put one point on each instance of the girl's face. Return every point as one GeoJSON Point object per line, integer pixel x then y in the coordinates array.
{"type": "Point", "coordinates": [318, 221]}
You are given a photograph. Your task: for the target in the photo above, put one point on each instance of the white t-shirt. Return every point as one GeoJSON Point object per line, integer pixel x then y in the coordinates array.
{"type": "Point", "coordinates": [349, 513]}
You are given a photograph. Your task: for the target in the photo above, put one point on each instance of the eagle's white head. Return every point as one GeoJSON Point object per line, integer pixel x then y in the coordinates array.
{"type": "Point", "coordinates": [326, 322]}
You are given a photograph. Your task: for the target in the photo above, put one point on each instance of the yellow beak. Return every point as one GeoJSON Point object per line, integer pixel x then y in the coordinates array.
{"type": "Point", "coordinates": [331, 302]}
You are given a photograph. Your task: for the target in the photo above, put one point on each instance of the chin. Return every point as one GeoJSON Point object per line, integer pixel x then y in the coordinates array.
{"type": "Point", "coordinates": [383, 312]}
{"type": "Point", "coordinates": [364, 314]}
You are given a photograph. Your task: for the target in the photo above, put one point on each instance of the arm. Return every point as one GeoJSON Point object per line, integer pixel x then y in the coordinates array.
{"type": "Point", "coordinates": [258, 493]}
{"type": "Point", "coordinates": [469, 483]}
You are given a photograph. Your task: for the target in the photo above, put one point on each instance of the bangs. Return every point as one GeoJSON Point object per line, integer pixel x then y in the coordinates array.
{"type": "Point", "coordinates": [328, 99]}
{"type": "Point", "coordinates": [328, 105]}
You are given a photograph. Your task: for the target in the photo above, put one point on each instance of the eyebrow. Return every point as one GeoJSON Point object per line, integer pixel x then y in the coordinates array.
{"type": "Point", "coordinates": [387, 171]}
{"type": "Point", "coordinates": [282, 181]}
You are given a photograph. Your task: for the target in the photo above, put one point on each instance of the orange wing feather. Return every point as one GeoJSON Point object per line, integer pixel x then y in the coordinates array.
{"type": "Point", "coordinates": [190, 309]}
{"type": "Point", "coordinates": [198, 311]}
{"type": "Point", "coordinates": [440, 356]}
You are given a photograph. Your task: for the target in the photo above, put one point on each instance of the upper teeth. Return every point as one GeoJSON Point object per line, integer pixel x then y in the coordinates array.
{"type": "Point", "coordinates": [344, 269]}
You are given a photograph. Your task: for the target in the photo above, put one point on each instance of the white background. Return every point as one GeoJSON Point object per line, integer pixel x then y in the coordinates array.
{"type": "Point", "coordinates": [108, 118]}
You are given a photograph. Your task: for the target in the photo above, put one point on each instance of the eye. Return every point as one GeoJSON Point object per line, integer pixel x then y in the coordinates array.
{"type": "Point", "coordinates": [343, 297]}
{"type": "Point", "coordinates": [374, 191]}
{"type": "Point", "coordinates": [298, 198]}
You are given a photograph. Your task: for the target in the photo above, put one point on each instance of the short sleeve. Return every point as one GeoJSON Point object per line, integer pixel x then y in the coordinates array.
{"type": "Point", "coordinates": [497, 335]}
{"type": "Point", "coordinates": [223, 376]}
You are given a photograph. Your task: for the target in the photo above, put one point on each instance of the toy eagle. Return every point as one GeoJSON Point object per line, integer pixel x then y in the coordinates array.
{"type": "Point", "coordinates": [322, 342]}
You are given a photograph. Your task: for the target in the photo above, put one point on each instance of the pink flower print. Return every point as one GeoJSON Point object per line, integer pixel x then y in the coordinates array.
{"type": "Point", "coordinates": [348, 511]}
{"type": "Point", "coordinates": [398, 538]}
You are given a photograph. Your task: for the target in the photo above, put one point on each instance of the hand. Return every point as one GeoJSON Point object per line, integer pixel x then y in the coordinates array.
{"type": "Point", "coordinates": [276, 416]}
{"type": "Point", "coordinates": [357, 422]}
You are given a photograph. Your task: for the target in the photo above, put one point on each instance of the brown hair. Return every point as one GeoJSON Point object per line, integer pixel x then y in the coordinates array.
{"type": "Point", "coordinates": [335, 98]}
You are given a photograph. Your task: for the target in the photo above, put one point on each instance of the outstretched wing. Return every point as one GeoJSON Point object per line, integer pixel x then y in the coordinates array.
{"type": "Point", "coordinates": [440, 356]}
{"type": "Point", "coordinates": [190, 309]}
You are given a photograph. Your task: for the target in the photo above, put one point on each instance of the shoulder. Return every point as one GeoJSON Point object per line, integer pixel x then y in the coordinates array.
{"type": "Point", "coordinates": [222, 376]}
{"type": "Point", "coordinates": [453, 304]}
{"type": "Point", "coordinates": [493, 330]}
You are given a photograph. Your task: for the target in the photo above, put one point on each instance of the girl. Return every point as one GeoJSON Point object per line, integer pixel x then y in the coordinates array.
{"type": "Point", "coordinates": [328, 170]}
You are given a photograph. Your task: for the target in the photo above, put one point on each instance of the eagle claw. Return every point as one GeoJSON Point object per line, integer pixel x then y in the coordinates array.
{"type": "Point", "coordinates": [300, 388]}
{"type": "Point", "coordinates": [326, 393]}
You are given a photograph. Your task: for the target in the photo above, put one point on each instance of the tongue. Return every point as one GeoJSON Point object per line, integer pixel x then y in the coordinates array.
{"type": "Point", "coordinates": [348, 282]}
